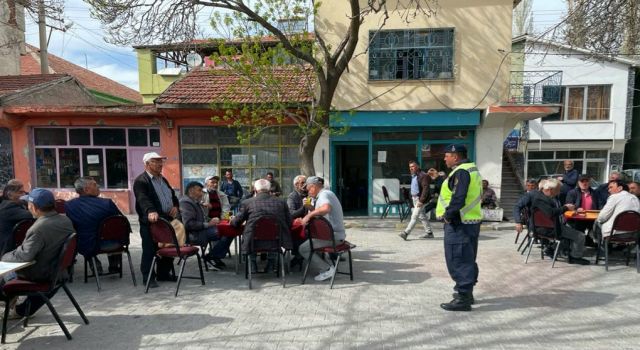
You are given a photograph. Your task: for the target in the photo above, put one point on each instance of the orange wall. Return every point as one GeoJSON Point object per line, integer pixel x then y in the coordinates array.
{"type": "Point", "coordinates": [169, 141]}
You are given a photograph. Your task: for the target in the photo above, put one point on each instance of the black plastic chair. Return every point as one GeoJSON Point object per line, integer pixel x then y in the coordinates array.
{"type": "Point", "coordinates": [544, 229]}
{"type": "Point", "coordinates": [162, 232]}
{"type": "Point", "coordinates": [18, 234]}
{"type": "Point", "coordinates": [629, 222]}
{"type": "Point", "coordinates": [408, 203]}
{"type": "Point", "coordinates": [398, 203]}
{"type": "Point", "coordinates": [113, 228]}
{"type": "Point", "coordinates": [320, 228]}
{"type": "Point", "coordinates": [20, 287]}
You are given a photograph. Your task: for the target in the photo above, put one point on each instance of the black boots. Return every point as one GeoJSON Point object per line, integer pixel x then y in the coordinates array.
{"type": "Point", "coordinates": [460, 302]}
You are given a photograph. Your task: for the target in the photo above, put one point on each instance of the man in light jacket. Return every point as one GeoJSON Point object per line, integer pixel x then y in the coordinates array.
{"type": "Point", "coordinates": [619, 200]}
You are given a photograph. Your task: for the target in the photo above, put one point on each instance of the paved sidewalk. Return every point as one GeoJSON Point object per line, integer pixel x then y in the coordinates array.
{"type": "Point", "coordinates": [392, 303]}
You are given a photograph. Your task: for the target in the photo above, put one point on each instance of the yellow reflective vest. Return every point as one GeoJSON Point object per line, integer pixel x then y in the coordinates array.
{"type": "Point", "coordinates": [471, 213]}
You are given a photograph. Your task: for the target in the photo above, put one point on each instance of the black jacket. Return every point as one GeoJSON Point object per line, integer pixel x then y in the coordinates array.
{"type": "Point", "coordinates": [10, 214]}
{"type": "Point", "coordinates": [550, 207]}
{"type": "Point", "coordinates": [147, 200]}
{"type": "Point", "coordinates": [575, 197]}
{"type": "Point", "coordinates": [296, 206]}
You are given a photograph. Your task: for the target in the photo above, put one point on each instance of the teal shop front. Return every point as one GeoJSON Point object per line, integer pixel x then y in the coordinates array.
{"type": "Point", "coordinates": [377, 147]}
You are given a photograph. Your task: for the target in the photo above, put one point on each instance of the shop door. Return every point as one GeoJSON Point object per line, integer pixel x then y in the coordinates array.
{"type": "Point", "coordinates": [352, 178]}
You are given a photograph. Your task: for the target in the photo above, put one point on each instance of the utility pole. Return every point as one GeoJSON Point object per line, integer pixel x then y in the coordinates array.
{"type": "Point", "coordinates": [42, 29]}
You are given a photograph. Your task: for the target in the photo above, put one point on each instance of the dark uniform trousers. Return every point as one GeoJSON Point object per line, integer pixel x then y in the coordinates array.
{"type": "Point", "coordinates": [460, 250]}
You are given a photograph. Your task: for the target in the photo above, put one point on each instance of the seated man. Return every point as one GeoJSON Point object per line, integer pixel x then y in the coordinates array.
{"type": "Point", "coordinates": [12, 211]}
{"type": "Point", "coordinates": [524, 206]}
{"type": "Point", "coordinates": [602, 192]}
{"type": "Point", "coordinates": [584, 198]}
{"type": "Point", "coordinates": [634, 188]}
{"type": "Point", "coordinates": [263, 204]}
{"type": "Point", "coordinates": [489, 199]}
{"type": "Point", "coordinates": [42, 244]}
{"type": "Point", "coordinates": [547, 202]}
{"type": "Point", "coordinates": [295, 199]}
{"type": "Point", "coordinates": [276, 190]}
{"type": "Point", "coordinates": [86, 213]}
{"type": "Point", "coordinates": [619, 200]}
{"type": "Point", "coordinates": [327, 205]}
{"type": "Point", "coordinates": [215, 200]}
{"type": "Point", "coordinates": [200, 230]}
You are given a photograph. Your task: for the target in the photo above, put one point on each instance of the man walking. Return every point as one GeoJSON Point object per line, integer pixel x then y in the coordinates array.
{"type": "Point", "coordinates": [420, 195]}
{"type": "Point", "coordinates": [459, 207]}
{"type": "Point", "coordinates": [154, 199]}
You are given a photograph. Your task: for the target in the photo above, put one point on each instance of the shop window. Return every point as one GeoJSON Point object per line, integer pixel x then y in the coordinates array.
{"type": "Point", "coordinates": [69, 167]}
{"type": "Point", "coordinates": [433, 157]}
{"type": "Point", "coordinates": [46, 168]}
{"type": "Point", "coordinates": [79, 137]}
{"type": "Point", "coordinates": [50, 137]}
{"type": "Point", "coordinates": [544, 163]}
{"type": "Point", "coordinates": [411, 54]}
{"type": "Point", "coordinates": [266, 156]}
{"type": "Point", "coordinates": [6, 156]}
{"type": "Point", "coordinates": [154, 137]}
{"type": "Point", "coordinates": [138, 137]}
{"type": "Point", "coordinates": [392, 162]}
{"type": "Point", "coordinates": [109, 137]}
{"type": "Point", "coordinates": [117, 172]}
{"type": "Point", "coordinates": [290, 156]}
{"type": "Point", "coordinates": [93, 164]}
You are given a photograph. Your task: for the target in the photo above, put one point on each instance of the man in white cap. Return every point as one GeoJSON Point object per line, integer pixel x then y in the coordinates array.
{"type": "Point", "coordinates": [327, 205]}
{"type": "Point", "coordinates": [154, 199]}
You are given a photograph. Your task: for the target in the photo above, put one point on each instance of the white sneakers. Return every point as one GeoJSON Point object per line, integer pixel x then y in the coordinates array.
{"type": "Point", "coordinates": [323, 276]}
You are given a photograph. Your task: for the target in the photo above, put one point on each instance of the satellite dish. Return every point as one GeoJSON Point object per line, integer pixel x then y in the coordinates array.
{"type": "Point", "coordinates": [194, 59]}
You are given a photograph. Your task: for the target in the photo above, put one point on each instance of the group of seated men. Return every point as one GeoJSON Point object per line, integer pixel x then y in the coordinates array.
{"type": "Point", "coordinates": [610, 199]}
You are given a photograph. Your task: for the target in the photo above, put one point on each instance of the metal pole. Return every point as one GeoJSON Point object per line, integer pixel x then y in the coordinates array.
{"type": "Point", "coordinates": [42, 29]}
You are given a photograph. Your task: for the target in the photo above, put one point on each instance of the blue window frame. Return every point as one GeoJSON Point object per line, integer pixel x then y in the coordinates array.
{"type": "Point", "coordinates": [411, 54]}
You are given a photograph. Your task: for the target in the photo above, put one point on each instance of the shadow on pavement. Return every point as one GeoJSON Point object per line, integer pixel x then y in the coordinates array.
{"type": "Point", "coordinates": [113, 332]}
{"type": "Point", "coordinates": [558, 299]}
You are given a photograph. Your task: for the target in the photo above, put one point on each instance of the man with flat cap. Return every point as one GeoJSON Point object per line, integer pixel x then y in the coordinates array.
{"type": "Point", "coordinates": [154, 199]}
{"type": "Point", "coordinates": [459, 207]}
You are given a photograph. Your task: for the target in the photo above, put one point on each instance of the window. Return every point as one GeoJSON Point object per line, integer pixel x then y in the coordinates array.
{"type": "Point", "coordinates": [411, 54]}
{"type": "Point", "coordinates": [64, 154]}
{"type": "Point", "coordinates": [541, 163]}
{"type": "Point", "coordinates": [583, 103]}
{"type": "Point", "coordinates": [210, 151]}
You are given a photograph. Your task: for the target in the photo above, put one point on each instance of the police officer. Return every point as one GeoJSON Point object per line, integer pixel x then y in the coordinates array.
{"type": "Point", "coordinates": [459, 207]}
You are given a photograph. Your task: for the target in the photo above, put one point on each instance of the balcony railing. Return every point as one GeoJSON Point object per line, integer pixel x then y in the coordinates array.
{"type": "Point", "coordinates": [535, 87]}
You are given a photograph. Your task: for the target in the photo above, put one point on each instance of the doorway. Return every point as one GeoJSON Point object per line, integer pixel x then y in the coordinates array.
{"type": "Point", "coordinates": [351, 174]}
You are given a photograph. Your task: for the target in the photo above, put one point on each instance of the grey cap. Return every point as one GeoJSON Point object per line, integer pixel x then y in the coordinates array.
{"type": "Point", "coordinates": [314, 180]}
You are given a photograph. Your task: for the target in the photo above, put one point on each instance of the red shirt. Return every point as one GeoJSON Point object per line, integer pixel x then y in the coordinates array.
{"type": "Point", "coordinates": [587, 200]}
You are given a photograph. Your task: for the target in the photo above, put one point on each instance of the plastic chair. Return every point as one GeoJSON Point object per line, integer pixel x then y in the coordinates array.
{"type": "Point", "coordinates": [162, 232]}
{"type": "Point", "coordinates": [320, 228]}
{"type": "Point", "coordinates": [543, 228]}
{"type": "Point", "coordinates": [113, 228]}
{"type": "Point", "coordinates": [524, 220]}
{"type": "Point", "coordinates": [59, 205]}
{"type": "Point", "coordinates": [19, 233]}
{"type": "Point", "coordinates": [399, 204]}
{"type": "Point", "coordinates": [629, 222]}
{"type": "Point", "coordinates": [20, 287]}
{"type": "Point", "coordinates": [267, 236]}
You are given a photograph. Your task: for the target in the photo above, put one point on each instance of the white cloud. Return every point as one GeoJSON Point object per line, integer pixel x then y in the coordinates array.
{"type": "Point", "coordinates": [124, 76]}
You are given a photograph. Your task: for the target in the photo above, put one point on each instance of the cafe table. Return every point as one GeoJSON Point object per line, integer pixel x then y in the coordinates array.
{"type": "Point", "coordinates": [587, 215]}
{"type": "Point", "coordinates": [8, 267]}
{"type": "Point", "coordinates": [226, 230]}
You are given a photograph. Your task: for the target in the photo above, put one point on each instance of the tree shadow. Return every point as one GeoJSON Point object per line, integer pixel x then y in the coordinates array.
{"type": "Point", "coordinates": [113, 331]}
{"type": "Point", "coordinates": [557, 299]}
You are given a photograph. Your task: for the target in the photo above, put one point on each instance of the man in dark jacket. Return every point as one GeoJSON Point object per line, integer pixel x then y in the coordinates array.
{"type": "Point", "coordinates": [154, 199]}
{"type": "Point", "coordinates": [546, 201]}
{"type": "Point", "coordinates": [263, 204]}
{"type": "Point", "coordinates": [231, 188]}
{"type": "Point", "coordinates": [42, 244]}
{"type": "Point", "coordinates": [296, 197]}
{"type": "Point", "coordinates": [584, 198]}
{"type": "Point", "coordinates": [420, 194]}
{"type": "Point", "coordinates": [523, 206]}
{"type": "Point", "coordinates": [569, 179]}
{"type": "Point", "coordinates": [201, 231]}
{"type": "Point", "coordinates": [12, 211]}
{"type": "Point", "coordinates": [87, 212]}
{"type": "Point", "coordinates": [602, 192]}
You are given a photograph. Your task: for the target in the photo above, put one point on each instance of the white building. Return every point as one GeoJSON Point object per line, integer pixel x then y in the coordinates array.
{"type": "Point", "coordinates": [596, 99]}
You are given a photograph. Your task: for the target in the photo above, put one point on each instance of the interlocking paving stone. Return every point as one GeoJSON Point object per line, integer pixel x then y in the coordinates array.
{"type": "Point", "coordinates": [393, 303]}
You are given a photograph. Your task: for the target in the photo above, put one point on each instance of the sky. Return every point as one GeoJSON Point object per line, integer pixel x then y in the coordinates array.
{"type": "Point", "coordinates": [84, 44]}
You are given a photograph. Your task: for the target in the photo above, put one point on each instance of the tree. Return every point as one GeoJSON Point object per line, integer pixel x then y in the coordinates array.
{"type": "Point", "coordinates": [164, 21]}
{"type": "Point", "coordinates": [608, 27]}
{"type": "Point", "coordinates": [523, 18]}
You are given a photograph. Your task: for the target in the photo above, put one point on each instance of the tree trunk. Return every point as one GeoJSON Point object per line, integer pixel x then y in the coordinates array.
{"type": "Point", "coordinates": [307, 147]}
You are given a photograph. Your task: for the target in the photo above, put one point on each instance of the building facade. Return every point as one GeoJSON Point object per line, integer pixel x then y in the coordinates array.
{"type": "Point", "coordinates": [594, 121]}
